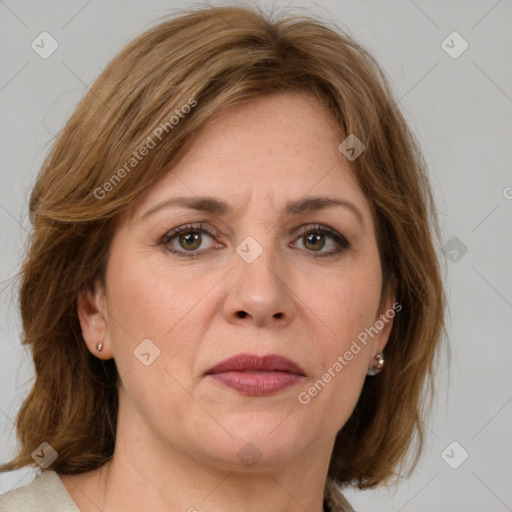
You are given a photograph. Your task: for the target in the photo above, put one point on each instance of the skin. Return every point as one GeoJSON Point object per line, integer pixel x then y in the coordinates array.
{"type": "Point", "coordinates": [179, 431]}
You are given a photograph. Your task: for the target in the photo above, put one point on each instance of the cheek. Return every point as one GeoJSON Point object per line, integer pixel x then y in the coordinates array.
{"type": "Point", "coordinates": [348, 303]}
{"type": "Point", "coordinates": [347, 307]}
{"type": "Point", "coordinates": [145, 297]}
{"type": "Point", "coordinates": [147, 302]}
{"type": "Point", "coordinates": [144, 304]}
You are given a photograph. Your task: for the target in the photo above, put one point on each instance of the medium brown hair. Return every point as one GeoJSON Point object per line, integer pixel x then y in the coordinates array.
{"type": "Point", "coordinates": [221, 57]}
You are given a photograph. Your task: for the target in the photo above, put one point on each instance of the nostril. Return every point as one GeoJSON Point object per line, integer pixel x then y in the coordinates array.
{"type": "Point", "coordinates": [279, 315]}
{"type": "Point", "coordinates": [242, 314]}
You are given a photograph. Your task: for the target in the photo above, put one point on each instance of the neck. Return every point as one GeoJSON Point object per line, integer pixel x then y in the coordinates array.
{"type": "Point", "coordinates": [147, 473]}
{"type": "Point", "coordinates": [136, 479]}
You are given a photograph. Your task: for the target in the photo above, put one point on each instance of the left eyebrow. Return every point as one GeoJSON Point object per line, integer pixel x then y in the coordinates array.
{"type": "Point", "coordinates": [219, 207]}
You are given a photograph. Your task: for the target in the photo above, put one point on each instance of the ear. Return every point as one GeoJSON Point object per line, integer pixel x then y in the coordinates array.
{"type": "Point", "coordinates": [387, 310]}
{"type": "Point", "coordinates": [93, 317]}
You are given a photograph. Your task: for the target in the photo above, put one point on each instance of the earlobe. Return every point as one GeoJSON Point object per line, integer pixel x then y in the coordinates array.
{"type": "Point", "coordinates": [92, 315]}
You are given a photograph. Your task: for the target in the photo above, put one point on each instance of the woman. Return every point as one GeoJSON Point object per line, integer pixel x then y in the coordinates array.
{"type": "Point", "coordinates": [231, 292]}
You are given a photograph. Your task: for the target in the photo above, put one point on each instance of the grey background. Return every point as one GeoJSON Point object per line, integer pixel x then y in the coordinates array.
{"type": "Point", "coordinates": [460, 110]}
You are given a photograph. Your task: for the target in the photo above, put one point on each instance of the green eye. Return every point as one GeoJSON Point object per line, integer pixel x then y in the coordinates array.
{"type": "Point", "coordinates": [187, 239]}
{"type": "Point", "coordinates": [190, 240]}
{"type": "Point", "coordinates": [315, 238]}
{"type": "Point", "coordinates": [314, 241]}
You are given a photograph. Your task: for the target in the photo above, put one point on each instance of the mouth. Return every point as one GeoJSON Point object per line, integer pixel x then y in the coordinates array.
{"type": "Point", "coordinates": [254, 375]}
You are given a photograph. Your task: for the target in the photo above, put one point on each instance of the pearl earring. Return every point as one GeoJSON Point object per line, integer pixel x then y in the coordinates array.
{"type": "Point", "coordinates": [377, 368]}
{"type": "Point", "coordinates": [99, 346]}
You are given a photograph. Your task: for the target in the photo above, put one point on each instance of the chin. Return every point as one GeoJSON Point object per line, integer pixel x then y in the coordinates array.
{"type": "Point", "coordinates": [250, 456]}
{"type": "Point", "coordinates": [259, 441]}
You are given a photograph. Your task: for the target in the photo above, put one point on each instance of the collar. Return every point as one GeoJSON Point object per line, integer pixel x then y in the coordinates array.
{"type": "Point", "coordinates": [334, 501]}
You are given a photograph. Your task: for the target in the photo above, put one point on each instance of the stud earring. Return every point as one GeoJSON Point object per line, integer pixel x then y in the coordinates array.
{"type": "Point", "coordinates": [378, 367]}
{"type": "Point", "coordinates": [99, 346]}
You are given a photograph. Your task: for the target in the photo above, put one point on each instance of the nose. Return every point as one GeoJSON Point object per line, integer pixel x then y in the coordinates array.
{"type": "Point", "coordinates": [259, 292]}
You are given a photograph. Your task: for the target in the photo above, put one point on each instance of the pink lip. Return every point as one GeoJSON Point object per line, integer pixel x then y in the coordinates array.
{"type": "Point", "coordinates": [257, 376]}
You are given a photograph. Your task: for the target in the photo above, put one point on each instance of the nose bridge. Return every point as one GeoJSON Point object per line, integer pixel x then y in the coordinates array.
{"type": "Point", "coordinates": [259, 290]}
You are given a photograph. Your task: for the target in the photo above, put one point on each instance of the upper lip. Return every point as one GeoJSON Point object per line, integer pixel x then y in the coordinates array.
{"type": "Point", "coordinates": [253, 362]}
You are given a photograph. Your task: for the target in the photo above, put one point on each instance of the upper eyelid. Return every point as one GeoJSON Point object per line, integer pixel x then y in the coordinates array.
{"type": "Point", "coordinates": [204, 226]}
{"type": "Point", "coordinates": [192, 227]}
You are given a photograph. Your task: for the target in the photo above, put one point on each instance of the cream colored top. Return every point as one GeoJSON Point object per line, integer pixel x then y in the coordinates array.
{"type": "Point", "coordinates": [46, 493]}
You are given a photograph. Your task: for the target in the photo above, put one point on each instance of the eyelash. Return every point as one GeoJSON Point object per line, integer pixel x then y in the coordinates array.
{"type": "Point", "coordinates": [314, 228]}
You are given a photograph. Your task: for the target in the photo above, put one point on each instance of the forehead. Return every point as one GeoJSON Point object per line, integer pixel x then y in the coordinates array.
{"type": "Point", "coordinates": [262, 154]}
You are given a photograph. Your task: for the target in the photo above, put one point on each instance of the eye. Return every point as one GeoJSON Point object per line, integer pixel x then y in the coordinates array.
{"type": "Point", "coordinates": [188, 239]}
{"type": "Point", "coordinates": [316, 238]}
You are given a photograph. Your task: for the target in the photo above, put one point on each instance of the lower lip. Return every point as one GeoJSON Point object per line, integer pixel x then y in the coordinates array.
{"type": "Point", "coordinates": [257, 383]}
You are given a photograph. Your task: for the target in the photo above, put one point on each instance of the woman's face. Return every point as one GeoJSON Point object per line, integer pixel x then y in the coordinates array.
{"type": "Point", "coordinates": [258, 273]}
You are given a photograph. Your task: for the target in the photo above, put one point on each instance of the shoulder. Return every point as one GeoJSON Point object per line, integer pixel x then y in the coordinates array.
{"type": "Point", "coordinates": [46, 493]}
{"type": "Point", "coordinates": [334, 499]}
